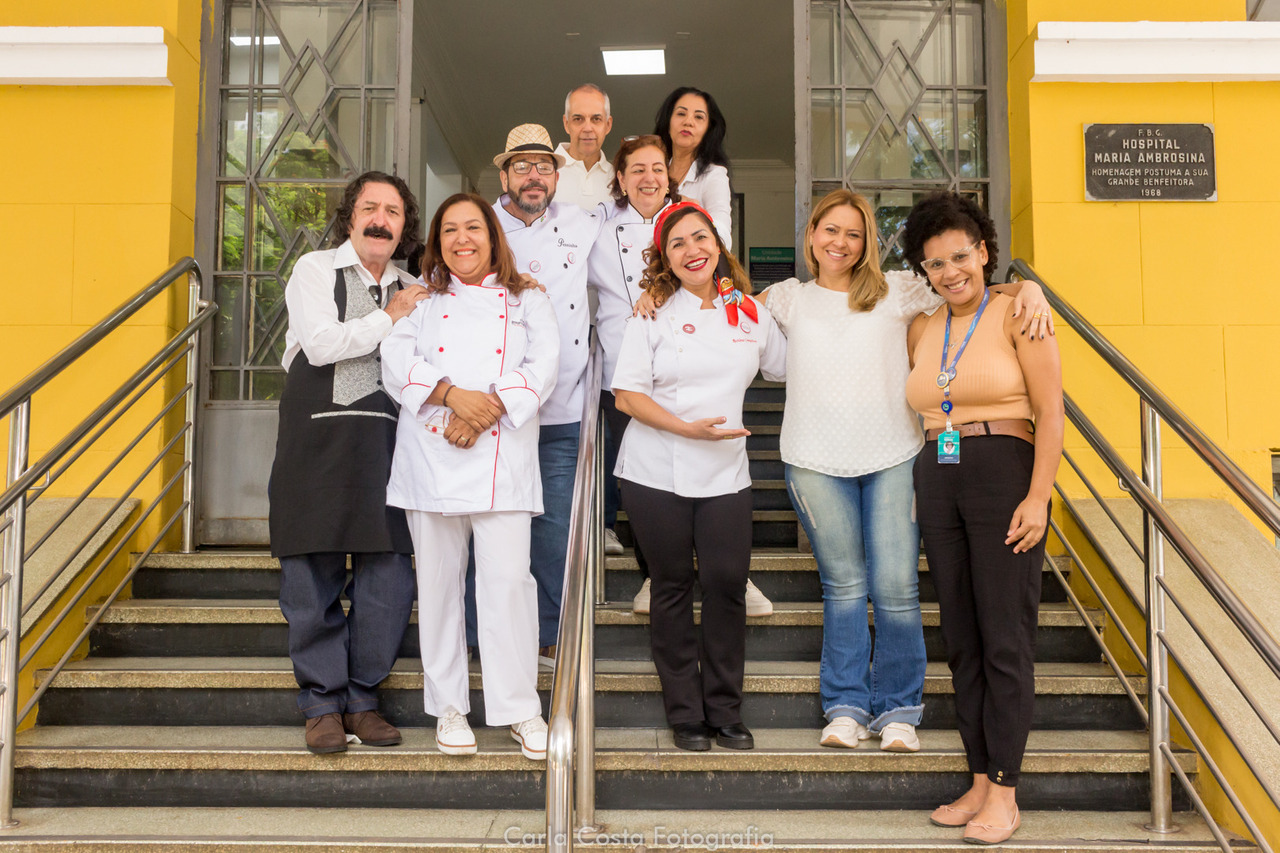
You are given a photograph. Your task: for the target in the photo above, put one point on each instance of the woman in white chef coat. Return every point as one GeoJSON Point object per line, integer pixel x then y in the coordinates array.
{"type": "Point", "coordinates": [683, 462]}
{"type": "Point", "coordinates": [470, 368]}
{"type": "Point", "coordinates": [690, 124]}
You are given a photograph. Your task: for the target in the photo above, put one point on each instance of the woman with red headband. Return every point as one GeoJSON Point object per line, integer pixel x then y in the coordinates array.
{"type": "Point", "coordinates": [683, 465]}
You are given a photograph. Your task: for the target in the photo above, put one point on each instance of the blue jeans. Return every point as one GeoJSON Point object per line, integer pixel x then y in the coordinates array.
{"type": "Point", "coordinates": [339, 659]}
{"type": "Point", "coordinates": [549, 535]}
{"type": "Point", "coordinates": [866, 541]}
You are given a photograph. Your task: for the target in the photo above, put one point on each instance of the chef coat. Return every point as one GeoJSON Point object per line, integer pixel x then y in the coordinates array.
{"type": "Point", "coordinates": [695, 365]}
{"type": "Point", "coordinates": [554, 250]}
{"type": "Point", "coordinates": [614, 270]}
{"type": "Point", "coordinates": [480, 338]}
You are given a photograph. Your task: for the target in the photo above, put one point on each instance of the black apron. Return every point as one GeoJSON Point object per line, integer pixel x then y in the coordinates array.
{"type": "Point", "coordinates": [328, 487]}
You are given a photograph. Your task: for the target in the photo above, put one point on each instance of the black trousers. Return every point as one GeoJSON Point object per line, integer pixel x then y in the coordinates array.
{"type": "Point", "coordinates": [989, 597]}
{"type": "Point", "coordinates": [615, 425]}
{"type": "Point", "coordinates": [700, 681]}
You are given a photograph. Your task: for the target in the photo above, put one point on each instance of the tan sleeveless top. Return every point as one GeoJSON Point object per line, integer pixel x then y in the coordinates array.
{"type": "Point", "coordinates": [989, 385]}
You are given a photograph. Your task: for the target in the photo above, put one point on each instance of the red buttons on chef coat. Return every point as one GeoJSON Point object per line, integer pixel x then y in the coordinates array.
{"type": "Point", "coordinates": [499, 351]}
{"type": "Point", "coordinates": [495, 432]}
{"type": "Point", "coordinates": [441, 349]}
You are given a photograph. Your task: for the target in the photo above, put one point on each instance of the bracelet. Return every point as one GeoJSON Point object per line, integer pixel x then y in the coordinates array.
{"type": "Point", "coordinates": [445, 400]}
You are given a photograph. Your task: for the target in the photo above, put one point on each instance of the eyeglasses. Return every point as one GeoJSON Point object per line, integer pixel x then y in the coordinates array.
{"type": "Point", "coordinates": [957, 259]}
{"type": "Point", "coordinates": [523, 167]}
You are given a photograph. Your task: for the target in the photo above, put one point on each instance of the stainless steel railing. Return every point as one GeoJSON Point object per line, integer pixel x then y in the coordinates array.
{"type": "Point", "coordinates": [27, 482]}
{"type": "Point", "coordinates": [1147, 490]}
{"type": "Point", "coordinates": [571, 791]}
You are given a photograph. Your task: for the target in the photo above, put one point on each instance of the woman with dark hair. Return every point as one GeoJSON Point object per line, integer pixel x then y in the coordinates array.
{"type": "Point", "coordinates": [992, 407]}
{"type": "Point", "coordinates": [470, 368]}
{"type": "Point", "coordinates": [682, 377]}
{"type": "Point", "coordinates": [691, 126]}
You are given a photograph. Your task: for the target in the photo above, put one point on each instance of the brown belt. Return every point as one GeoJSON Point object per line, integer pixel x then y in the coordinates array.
{"type": "Point", "coordinates": [1018, 428]}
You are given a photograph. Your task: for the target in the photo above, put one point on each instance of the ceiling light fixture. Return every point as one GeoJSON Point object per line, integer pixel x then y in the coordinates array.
{"type": "Point", "coordinates": [631, 60]}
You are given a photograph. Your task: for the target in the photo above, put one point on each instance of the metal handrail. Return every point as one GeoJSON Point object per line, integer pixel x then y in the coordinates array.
{"type": "Point", "coordinates": [571, 723]}
{"type": "Point", "coordinates": [1257, 500]}
{"type": "Point", "coordinates": [26, 481]}
{"type": "Point", "coordinates": [1147, 491]}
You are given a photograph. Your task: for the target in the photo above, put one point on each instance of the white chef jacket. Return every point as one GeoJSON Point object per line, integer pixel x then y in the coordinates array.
{"type": "Point", "coordinates": [708, 185]}
{"type": "Point", "coordinates": [481, 338]}
{"type": "Point", "coordinates": [313, 315]}
{"type": "Point", "coordinates": [584, 187]}
{"type": "Point", "coordinates": [554, 250]}
{"type": "Point", "coordinates": [614, 270]}
{"type": "Point", "coordinates": [695, 365]}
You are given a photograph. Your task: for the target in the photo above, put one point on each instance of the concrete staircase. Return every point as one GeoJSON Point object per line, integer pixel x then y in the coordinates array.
{"type": "Point", "coordinates": [179, 733]}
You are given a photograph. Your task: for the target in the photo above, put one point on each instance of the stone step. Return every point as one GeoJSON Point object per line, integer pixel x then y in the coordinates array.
{"type": "Point", "coordinates": [793, 632]}
{"type": "Point", "coordinates": [261, 691]}
{"type": "Point", "coordinates": [783, 574]}
{"type": "Point", "coordinates": [638, 768]}
{"type": "Point", "coordinates": [316, 830]}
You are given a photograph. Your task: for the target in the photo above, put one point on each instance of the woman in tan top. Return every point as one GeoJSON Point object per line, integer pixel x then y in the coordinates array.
{"type": "Point", "coordinates": [993, 414]}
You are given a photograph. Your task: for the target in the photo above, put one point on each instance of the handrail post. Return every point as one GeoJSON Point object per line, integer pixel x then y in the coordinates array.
{"type": "Point", "coordinates": [189, 443]}
{"type": "Point", "coordinates": [585, 732]}
{"type": "Point", "coordinates": [1157, 655]}
{"type": "Point", "coordinates": [11, 605]}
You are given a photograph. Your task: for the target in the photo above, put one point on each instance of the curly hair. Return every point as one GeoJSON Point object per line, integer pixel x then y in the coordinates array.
{"type": "Point", "coordinates": [711, 149]}
{"type": "Point", "coordinates": [660, 280]}
{"type": "Point", "coordinates": [410, 235]}
{"type": "Point", "coordinates": [867, 285]}
{"type": "Point", "coordinates": [629, 146]}
{"type": "Point", "coordinates": [940, 212]}
{"type": "Point", "coordinates": [502, 263]}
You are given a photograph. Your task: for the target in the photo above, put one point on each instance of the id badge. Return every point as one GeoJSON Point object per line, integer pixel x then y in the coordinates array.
{"type": "Point", "coordinates": [949, 447]}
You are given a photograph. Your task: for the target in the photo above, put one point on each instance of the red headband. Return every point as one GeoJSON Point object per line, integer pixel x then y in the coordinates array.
{"type": "Point", "coordinates": [670, 209]}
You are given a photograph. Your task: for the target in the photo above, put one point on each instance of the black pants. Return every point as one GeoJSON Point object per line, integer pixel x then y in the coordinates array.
{"type": "Point", "coordinates": [615, 425]}
{"type": "Point", "coordinates": [989, 597]}
{"type": "Point", "coordinates": [700, 682]}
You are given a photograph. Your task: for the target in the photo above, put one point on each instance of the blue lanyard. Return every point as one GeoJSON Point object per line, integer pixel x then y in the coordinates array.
{"type": "Point", "coordinates": [946, 374]}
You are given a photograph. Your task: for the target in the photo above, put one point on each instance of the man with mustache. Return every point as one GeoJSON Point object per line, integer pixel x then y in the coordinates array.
{"type": "Point", "coordinates": [551, 241]}
{"type": "Point", "coordinates": [328, 487]}
{"type": "Point", "coordinates": [586, 174]}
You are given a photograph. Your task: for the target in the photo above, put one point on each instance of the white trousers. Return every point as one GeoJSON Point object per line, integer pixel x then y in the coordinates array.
{"type": "Point", "coordinates": [506, 612]}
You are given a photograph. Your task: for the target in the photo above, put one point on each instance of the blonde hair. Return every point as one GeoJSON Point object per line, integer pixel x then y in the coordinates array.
{"type": "Point", "coordinates": [867, 285]}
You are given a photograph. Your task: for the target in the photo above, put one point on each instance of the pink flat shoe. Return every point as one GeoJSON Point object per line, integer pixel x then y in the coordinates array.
{"type": "Point", "coordinates": [950, 816]}
{"type": "Point", "coordinates": [987, 833]}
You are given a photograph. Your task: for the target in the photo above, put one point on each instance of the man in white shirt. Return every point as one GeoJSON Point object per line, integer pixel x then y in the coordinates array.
{"type": "Point", "coordinates": [586, 174]}
{"type": "Point", "coordinates": [328, 487]}
{"type": "Point", "coordinates": [551, 241]}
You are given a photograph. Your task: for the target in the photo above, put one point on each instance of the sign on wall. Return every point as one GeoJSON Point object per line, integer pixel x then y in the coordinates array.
{"type": "Point", "coordinates": [1149, 162]}
{"type": "Point", "coordinates": [769, 264]}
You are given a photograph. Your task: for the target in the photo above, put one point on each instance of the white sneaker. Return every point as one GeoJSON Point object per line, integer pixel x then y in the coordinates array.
{"type": "Point", "coordinates": [532, 736]}
{"type": "Point", "coordinates": [640, 604]}
{"type": "Point", "coordinates": [844, 731]}
{"type": "Point", "coordinates": [612, 546]}
{"type": "Point", "coordinates": [757, 604]}
{"type": "Point", "coordinates": [453, 735]}
{"type": "Point", "coordinates": [899, 737]}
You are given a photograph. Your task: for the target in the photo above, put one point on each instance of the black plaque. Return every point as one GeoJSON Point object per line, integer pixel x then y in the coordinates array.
{"type": "Point", "coordinates": [1149, 162]}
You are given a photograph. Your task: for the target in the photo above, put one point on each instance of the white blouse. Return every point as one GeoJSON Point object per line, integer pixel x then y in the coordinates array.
{"type": "Point", "coordinates": [847, 411]}
{"type": "Point", "coordinates": [481, 338]}
{"type": "Point", "coordinates": [692, 363]}
{"type": "Point", "coordinates": [708, 185]}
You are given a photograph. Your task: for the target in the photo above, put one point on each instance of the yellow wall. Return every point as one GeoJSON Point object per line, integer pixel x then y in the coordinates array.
{"type": "Point", "coordinates": [1175, 285]}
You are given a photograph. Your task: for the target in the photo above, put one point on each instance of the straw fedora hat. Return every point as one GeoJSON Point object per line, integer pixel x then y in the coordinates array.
{"type": "Point", "coordinates": [529, 139]}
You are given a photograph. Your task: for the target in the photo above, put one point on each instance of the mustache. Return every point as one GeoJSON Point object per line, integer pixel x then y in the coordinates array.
{"type": "Point", "coordinates": [378, 231]}
{"type": "Point", "coordinates": [533, 185]}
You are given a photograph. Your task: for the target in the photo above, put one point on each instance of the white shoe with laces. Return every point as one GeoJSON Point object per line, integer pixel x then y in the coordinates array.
{"type": "Point", "coordinates": [757, 604]}
{"type": "Point", "coordinates": [532, 737]}
{"type": "Point", "coordinates": [612, 545]}
{"type": "Point", "coordinates": [640, 604]}
{"type": "Point", "coordinates": [899, 737]}
{"type": "Point", "coordinates": [844, 732]}
{"type": "Point", "coordinates": [453, 734]}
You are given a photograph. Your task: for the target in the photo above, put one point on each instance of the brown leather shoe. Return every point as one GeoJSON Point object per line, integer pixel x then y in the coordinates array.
{"type": "Point", "coordinates": [371, 728]}
{"type": "Point", "coordinates": [325, 734]}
